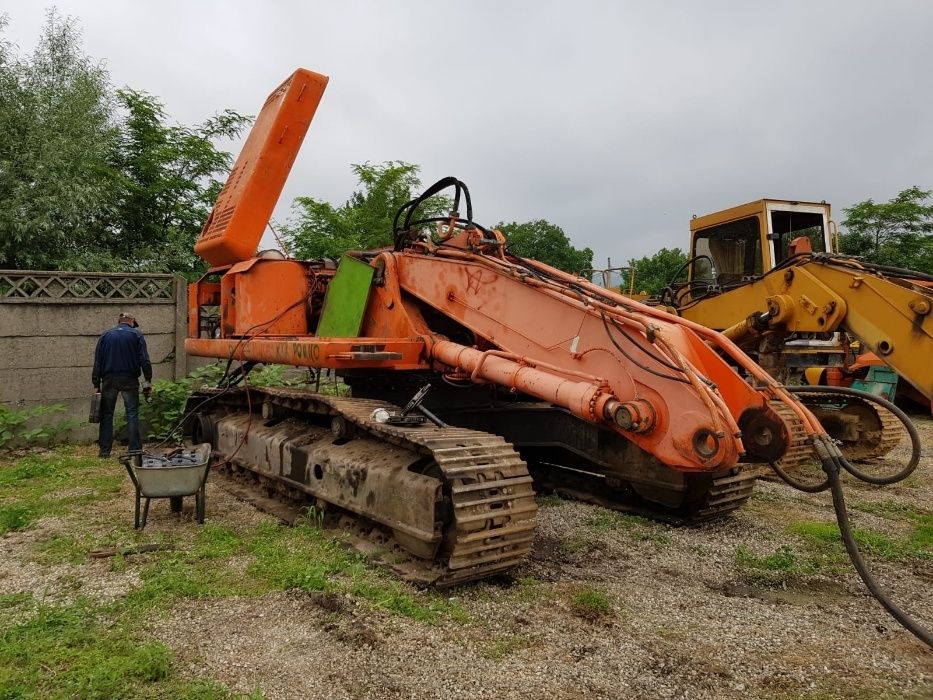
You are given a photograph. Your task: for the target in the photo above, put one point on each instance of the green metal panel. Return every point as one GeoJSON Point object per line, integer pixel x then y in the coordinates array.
{"type": "Point", "coordinates": [345, 304]}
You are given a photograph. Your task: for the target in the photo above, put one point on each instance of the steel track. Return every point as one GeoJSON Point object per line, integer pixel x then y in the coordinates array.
{"type": "Point", "coordinates": [492, 506]}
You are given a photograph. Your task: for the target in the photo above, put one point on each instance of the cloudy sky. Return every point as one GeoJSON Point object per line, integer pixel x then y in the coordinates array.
{"type": "Point", "coordinates": [615, 120]}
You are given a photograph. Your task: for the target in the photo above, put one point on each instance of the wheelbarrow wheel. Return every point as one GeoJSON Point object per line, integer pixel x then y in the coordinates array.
{"type": "Point", "coordinates": [175, 502]}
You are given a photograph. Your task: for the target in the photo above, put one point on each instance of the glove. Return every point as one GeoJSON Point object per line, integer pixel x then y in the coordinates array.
{"type": "Point", "coordinates": [147, 392]}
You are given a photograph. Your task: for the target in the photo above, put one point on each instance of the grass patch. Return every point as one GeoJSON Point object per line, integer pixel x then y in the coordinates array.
{"type": "Point", "coordinates": [605, 520]}
{"type": "Point", "coordinates": [775, 568]}
{"type": "Point", "coordinates": [307, 558]}
{"type": "Point", "coordinates": [15, 516]}
{"type": "Point", "coordinates": [502, 647]}
{"type": "Point", "coordinates": [215, 542]}
{"type": "Point", "coordinates": [823, 538]}
{"type": "Point", "coordinates": [575, 544]}
{"type": "Point", "coordinates": [89, 650]}
{"type": "Point", "coordinates": [823, 552]}
{"type": "Point", "coordinates": [74, 651]}
{"type": "Point", "coordinates": [889, 509]}
{"type": "Point", "coordinates": [921, 539]}
{"type": "Point", "coordinates": [549, 500]}
{"type": "Point", "coordinates": [591, 604]}
{"type": "Point", "coordinates": [29, 484]}
{"type": "Point", "coordinates": [62, 549]}
{"type": "Point", "coordinates": [528, 588]}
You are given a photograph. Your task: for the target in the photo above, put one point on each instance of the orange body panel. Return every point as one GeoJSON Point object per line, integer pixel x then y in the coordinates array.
{"type": "Point", "coordinates": [333, 353]}
{"type": "Point", "coordinates": [264, 297]}
{"type": "Point", "coordinates": [246, 201]}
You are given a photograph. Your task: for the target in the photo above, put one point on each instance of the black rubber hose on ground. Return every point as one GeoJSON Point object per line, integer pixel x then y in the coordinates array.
{"type": "Point", "coordinates": [839, 505]}
{"type": "Point", "coordinates": [833, 462]}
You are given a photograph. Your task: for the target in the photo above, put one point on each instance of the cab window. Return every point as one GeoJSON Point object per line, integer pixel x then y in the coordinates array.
{"type": "Point", "coordinates": [788, 225]}
{"type": "Point", "coordinates": [735, 249]}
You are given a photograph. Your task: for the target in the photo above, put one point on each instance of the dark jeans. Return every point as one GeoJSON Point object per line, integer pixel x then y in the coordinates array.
{"type": "Point", "coordinates": [109, 388]}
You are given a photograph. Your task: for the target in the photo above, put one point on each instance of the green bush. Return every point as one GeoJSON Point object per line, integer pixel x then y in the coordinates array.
{"type": "Point", "coordinates": [17, 427]}
{"type": "Point", "coordinates": [169, 398]}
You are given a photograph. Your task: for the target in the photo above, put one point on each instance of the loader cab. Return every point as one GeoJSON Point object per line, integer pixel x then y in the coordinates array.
{"type": "Point", "coordinates": [734, 245]}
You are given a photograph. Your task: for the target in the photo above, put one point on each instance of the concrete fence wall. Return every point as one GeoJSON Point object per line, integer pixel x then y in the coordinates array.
{"type": "Point", "coordinates": [50, 322]}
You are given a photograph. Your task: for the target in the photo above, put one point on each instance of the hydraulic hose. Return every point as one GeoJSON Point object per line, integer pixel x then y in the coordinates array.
{"type": "Point", "coordinates": [839, 505]}
{"type": "Point", "coordinates": [833, 462]}
{"type": "Point", "coordinates": [901, 416]}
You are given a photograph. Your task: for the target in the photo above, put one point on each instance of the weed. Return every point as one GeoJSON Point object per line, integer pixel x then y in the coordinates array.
{"type": "Point", "coordinates": [777, 567]}
{"type": "Point", "coordinates": [576, 544]}
{"type": "Point", "coordinates": [824, 538]}
{"type": "Point", "coordinates": [18, 426]}
{"type": "Point", "coordinates": [15, 517]}
{"type": "Point", "coordinates": [549, 500]}
{"type": "Point", "coordinates": [507, 645]}
{"type": "Point", "coordinates": [604, 520]}
{"type": "Point", "coordinates": [591, 604]}
{"type": "Point", "coordinates": [169, 398]}
{"type": "Point", "coordinates": [62, 549]}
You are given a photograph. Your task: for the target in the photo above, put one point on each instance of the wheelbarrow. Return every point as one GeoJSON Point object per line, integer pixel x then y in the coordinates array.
{"type": "Point", "coordinates": [174, 475]}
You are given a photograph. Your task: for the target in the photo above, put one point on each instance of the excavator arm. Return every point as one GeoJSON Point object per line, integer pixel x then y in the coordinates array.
{"type": "Point", "coordinates": [824, 293]}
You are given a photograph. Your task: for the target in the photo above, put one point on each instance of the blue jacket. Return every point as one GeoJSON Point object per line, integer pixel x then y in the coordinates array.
{"type": "Point", "coordinates": [121, 350]}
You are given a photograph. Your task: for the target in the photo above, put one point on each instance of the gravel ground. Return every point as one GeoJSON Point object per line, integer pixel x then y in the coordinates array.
{"type": "Point", "coordinates": [686, 621]}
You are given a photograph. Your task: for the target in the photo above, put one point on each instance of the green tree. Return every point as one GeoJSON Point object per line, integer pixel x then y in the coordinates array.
{"type": "Point", "coordinates": [896, 232]}
{"type": "Point", "coordinates": [169, 179]}
{"type": "Point", "coordinates": [546, 242]}
{"type": "Point", "coordinates": [57, 139]}
{"type": "Point", "coordinates": [92, 178]}
{"type": "Point", "coordinates": [654, 272]}
{"type": "Point", "coordinates": [321, 230]}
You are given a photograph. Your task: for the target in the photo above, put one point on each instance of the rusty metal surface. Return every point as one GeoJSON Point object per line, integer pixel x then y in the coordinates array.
{"type": "Point", "coordinates": [485, 519]}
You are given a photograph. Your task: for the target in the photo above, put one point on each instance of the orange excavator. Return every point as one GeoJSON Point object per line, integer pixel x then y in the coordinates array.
{"type": "Point", "coordinates": [475, 376]}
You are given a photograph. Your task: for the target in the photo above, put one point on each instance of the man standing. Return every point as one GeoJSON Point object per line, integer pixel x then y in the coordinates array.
{"type": "Point", "coordinates": [120, 356]}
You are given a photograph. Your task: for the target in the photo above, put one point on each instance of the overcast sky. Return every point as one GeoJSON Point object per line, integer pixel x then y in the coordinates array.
{"type": "Point", "coordinates": [615, 120]}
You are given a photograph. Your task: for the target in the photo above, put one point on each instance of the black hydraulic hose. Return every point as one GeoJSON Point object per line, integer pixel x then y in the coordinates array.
{"type": "Point", "coordinates": [831, 467]}
{"type": "Point", "coordinates": [657, 358]}
{"type": "Point", "coordinates": [438, 186]}
{"type": "Point", "coordinates": [620, 348]}
{"type": "Point", "coordinates": [833, 462]}
{"type": "Point", "coordinates": [799, 485]}
{"type": "Point", "coordinates": [901, 416]}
